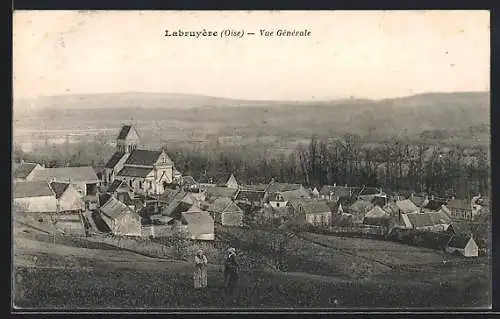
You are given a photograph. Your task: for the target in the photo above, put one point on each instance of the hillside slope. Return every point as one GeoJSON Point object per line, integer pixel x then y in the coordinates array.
{"type": "Point", "coordinates": [462, 116]}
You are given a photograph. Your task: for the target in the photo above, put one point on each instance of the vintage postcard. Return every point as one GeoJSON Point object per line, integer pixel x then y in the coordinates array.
{"type": "Point", "coordinates": [257, 160]}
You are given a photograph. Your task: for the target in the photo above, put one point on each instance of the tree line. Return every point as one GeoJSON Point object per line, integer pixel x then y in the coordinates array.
{"type": "Point", "coordinates": [393, 165]}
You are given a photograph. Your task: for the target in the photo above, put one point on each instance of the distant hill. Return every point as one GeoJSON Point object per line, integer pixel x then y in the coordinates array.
{"type": "Point", "coordinates": [182, 115]}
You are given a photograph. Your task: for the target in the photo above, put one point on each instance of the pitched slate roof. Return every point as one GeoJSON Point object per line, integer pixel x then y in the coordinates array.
{"type": "Point", "coordinates": [435, 204]}
{"type": "Point", "coordinates": [65, 174]}
{"type": "Point", "coordinates": [217, 191]}
{"type": "Point", "coordinates": [275, 187]}
{"type": "Point", "coordinates": [310, 206]}
{"type": "Point", "coordinates": [253, 187]}
{"type": "Point", "coordinates": [32, 189]}
{"type": "Point", "coordinates": [103, 199]}
{"type": "Point", "coordinates": [218, 178]}
{"type": "Point", "coordinates": [417, 200]}
{"type": "Point", "coordinates": [114, 159]}
{"type": "Point", "coordinates": [428, 219]}
{"type": "Point", "coordinates": [143, 157]}
{"type": "Point", "coordinates": [24, 169]}
{"type": "Point", "coordinates": [459, 240]}
{"type": "Point", "coordinates": [360, 206]}
{"type": "Point", "coordinates": [175, 208]}
{"type": "Point", "coordinates": [406, 206]}
{"type": "Point", "coordinates": [115, 185]}
{"type": "Point", "coordinates": [115, 209]}
{"type": "Point", "coordinates": [295, 194]}
{"type": "Point", "coordinates": [369, 191]}
{"type": "Point", "coordinates": [131, 171]}
{"type": "Point", "coordinates": [250, 195]}
{"type": "Point", "coordinates": [376, 212]}
{"type": "Point", "coordinates": [124, 132]}
{"type": "Point", "coordinates": [59, 188]}
{"type": "Point", "coordinates": [380, 201]}
{"type": "Point", "coordinates": [224, 205]}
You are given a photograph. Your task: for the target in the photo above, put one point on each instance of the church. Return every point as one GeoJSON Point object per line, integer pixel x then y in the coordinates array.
{"type": "Point", "coordinates": [145, 171]}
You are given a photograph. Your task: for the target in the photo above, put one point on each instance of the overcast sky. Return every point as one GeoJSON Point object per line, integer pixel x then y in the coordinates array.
{"type": "Point", "coordinates": [359, 54]}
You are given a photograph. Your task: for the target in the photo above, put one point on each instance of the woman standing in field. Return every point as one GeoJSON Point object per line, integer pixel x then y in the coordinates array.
{"type": "Point", "coordinates": [200, 272]}
{"type": "Point", "coordinates": [231, 270]}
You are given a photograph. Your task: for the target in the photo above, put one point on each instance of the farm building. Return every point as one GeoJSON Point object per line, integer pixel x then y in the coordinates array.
{"type": "Point", "coordinates": [377, 217]}
{"type": "Point", "coordinates": [212, 193]}
{"type": "Point", "coordinates": [176, 207]}
{"type": "Point", "coordinates": [120, 219]}
{"type": "Point", "coordinates": [250, 197]}
{"type": "Point", "coordinates": [418, 200]}
{"type": "Point", "coordinates": [68, 198]}
{"type": "Point", "coordinates": [295, 194]}
{"type": "Point", "coordinates": [226, 212]}
{"type": "Point", "coordinates": [369, 193]}
{"type": "Point", "coordinates": [431, 221]}
{"type": "Point", "coordinates": [25, 171]}
{"type": "Point", "coordinates": [254, 187]}
{"type": "Point", "coordinates": [358, 209]}
{"type": "Point", "coordinates": [463, 244]}
{"type": "Point", "coordinates": [275, 187]}
{"type": "Point", "coordinates": [314, 212]}
{"type": "Point", "coordinates": [277, 200]}
{"type": "Point", "coordinates": [199, 224]}
{"type": "Point", "coordinates": [434, 204]}
{"type": "Point", "coordinates": [335, 192]}
{"type": "Point", "coordinates": [83, 179]}
{"type": "Point", "coordinates": [380, 201]}
{"type": "Point", "coordinates": [220, 179]}
{"type": "Point", "coordinates": [35, 197]}
{"type": "Point", "coordinates": [406, 206]}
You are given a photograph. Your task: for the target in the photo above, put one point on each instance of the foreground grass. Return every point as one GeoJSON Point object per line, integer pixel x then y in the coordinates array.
{"type": "Point", "coordinates": [103, 286]}
{"type": "Point", "coordinates": [66, 275]}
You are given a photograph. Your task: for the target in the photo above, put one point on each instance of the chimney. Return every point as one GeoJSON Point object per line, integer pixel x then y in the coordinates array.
{"type": "Point", "coordinates": [22, 161]}
{"type": "Point", "coordinates": [334, 184]}
{"type": "Point", "coordinates": [432, 197]}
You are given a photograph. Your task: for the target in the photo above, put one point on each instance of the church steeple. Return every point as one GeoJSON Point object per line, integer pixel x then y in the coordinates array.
{"type": "Point", "coordinates": [127, 139]}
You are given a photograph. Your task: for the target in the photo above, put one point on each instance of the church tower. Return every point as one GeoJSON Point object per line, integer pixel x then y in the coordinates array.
{"type": "Point", "coordinates": [127, 139]}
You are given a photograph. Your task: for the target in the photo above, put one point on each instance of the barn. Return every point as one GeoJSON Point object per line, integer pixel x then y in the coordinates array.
{"type": "Point", "coordinates": [120, 219]}
{"type": "Point", "coordinates": [200, 225]}
{"type": "Point", "coordinates": [226, 212]}
{"type": "Point", "coordinates": [377, 217]}
{"type": "Point", "coordinates": [68, 198]}
{"type": "Point", "coordinates": [35, 197]}
{"type": "Point", "coordinates": [463, 244]}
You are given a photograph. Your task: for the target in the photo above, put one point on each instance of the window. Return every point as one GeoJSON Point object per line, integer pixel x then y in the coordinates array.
{"type": "Point", "coordinates": [130, 183]}
{"type": "Point", "coordinates": [140, 184]}
{"type": "Point", "coordinates": [150, 184]}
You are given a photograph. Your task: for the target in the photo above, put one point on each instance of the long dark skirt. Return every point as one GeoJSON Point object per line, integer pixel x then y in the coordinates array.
{"type": "Point", "coordinates": [232, 279]}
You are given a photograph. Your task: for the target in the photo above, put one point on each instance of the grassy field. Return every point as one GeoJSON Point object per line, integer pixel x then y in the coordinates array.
{"type": "Point", "coordinates": [66, 275]}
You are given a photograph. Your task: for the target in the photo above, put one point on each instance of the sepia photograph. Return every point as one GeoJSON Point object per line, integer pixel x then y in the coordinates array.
{"type": "Point", "coordinates": [251, 160]}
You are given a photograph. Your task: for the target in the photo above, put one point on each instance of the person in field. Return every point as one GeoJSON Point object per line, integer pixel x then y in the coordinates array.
{"type": "Point", "coordinates": [200, 271]}
{"type": "Point", "coordinates": [231, 270]}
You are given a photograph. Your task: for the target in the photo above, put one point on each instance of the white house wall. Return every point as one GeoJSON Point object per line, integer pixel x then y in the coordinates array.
{"type": "Point", "coordinates": [41, 204]}
{"type": "Point", "coordinates": [127, 225]}
{"type": "Point", "coordinates": [71, 200]}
